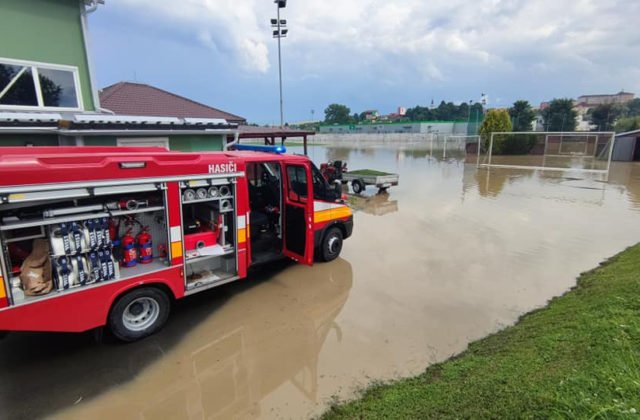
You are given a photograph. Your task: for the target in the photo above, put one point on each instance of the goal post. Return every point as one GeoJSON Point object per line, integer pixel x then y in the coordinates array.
{"type": "Point", "coordinates": [571, 144]}
{"type": "Point", "coordinates": [556, 151]}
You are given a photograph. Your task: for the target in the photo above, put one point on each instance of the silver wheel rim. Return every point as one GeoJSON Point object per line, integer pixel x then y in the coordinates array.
{"type": "Point", "coordinates": [333, 244]}
{"type": "Point", "coordinates": [140, 314]}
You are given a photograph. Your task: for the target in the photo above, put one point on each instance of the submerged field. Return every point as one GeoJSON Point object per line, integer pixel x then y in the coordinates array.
{"type": "Point", "coordinates": [452, 254]}
{"type": "Point", "coordinates": [577, 358]}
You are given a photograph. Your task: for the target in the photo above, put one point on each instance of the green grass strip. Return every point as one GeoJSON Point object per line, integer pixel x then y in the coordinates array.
{"type": "Point", "coordinates": [368, 172]}
{"type": "Point", "coordinates": [579, 357]}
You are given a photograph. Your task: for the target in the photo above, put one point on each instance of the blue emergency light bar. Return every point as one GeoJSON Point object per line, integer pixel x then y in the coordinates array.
{"type": "Point", "coordinates": [259, 148]}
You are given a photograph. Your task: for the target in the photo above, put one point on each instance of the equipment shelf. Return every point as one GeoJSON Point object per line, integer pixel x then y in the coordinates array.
{"type": "Point", "coordinates": [226, 251]}
{"type": "Point", "coordinates": [212, 278]}
{"type": "Point", "coordinates": [204, 200]}
{"type": "Point", "coordinates": [74, 218]}
{"type": "Point", "coordinates": [125, 273]}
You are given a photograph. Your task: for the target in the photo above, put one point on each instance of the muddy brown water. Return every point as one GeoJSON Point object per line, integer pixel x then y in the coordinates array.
{"type": "Point", "coordinates": [450, 255]}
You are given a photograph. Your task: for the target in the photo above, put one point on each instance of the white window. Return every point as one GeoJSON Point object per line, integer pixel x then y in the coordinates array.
{"type": "Point", "coordinates": [35, 86]}
{"type": "Point", "coordinates": [144, 142]}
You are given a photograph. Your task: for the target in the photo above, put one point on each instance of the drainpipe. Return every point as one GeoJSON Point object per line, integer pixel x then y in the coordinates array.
{"type": "Point", "coordinates": [236, 138]}
{"type": "Point", "coordinates": [89, 6]}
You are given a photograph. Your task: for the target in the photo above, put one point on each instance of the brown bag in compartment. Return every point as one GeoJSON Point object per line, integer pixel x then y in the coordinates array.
{"type": "Point", "coordinates": [35, 273]}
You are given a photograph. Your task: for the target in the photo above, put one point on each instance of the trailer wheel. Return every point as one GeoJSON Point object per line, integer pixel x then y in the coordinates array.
{"type": "Point", "coordinates": [139, 313]}
{"type": "Point", "coordinates": [357, 185]}
{"type": "Point", "coordinates": [331, 245]}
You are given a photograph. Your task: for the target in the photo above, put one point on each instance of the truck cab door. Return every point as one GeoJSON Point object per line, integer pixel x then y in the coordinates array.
{"type": "Point", "coordinates": [298, 213]}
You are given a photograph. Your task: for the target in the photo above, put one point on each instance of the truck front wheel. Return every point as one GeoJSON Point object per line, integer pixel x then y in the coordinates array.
{"type": "Point", "coordinates": [139, 313]}
{"type": "Point", "coordinates": [331, 244]}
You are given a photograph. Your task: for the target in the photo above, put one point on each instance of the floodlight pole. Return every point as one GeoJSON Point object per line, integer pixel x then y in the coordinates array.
{"type": "Point", "coordinates": [279, 35]}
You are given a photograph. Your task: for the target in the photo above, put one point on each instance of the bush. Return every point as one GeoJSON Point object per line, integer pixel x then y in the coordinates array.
{"type": "Point", "coordinates": [517, 145]}
{"type": "Point", "coordinates": [496, 120]}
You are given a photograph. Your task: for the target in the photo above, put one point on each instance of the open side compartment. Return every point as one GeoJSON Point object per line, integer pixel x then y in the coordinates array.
{"type": "Point", "coordinates": [53, 245]}
{"type": "Point", "coordinates": [208, 218]}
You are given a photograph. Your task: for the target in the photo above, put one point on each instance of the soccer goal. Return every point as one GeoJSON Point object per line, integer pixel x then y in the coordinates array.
{"type": "Point", "coordinates": [554, 151]}
{"type": "Point", "coordinates": [460, 142]}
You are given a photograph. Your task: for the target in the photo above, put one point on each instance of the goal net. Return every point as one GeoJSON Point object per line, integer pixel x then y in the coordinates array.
{"type": "Point", "coordinates": [450, 145]}
{"type": "Point", "coordinates": [559, 151]}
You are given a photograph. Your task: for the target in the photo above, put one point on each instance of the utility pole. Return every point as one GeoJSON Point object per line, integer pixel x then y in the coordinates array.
{"type": "Point", "coordinates": [280, 32]}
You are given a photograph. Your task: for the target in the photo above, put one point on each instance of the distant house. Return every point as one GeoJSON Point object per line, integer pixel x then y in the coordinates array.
{"type": "Point", "coordinates": [48, 95]}
{"type": "Point", "coordinates": [591, 101]}
{"type": "Point", "coordinates": [371, 114]}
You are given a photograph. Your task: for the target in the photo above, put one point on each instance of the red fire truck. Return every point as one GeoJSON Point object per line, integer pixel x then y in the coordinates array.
{"type": "Point", "coordinates": [107, 236]}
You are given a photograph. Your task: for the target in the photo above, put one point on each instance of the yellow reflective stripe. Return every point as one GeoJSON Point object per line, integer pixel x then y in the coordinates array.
{"type": "Point", "coordinates": [176, 249]}
{"type": "Point", "coordinates": [3, 292]}
{"type": "Point", "coordinates": [242, 235]}
{"type": "Point", "coordinates": [332, 214]}
{"type": "Point", "coordinates": [341, 212]}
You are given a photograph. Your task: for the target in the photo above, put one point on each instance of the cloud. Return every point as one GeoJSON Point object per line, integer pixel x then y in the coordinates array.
{"type": "Point", "coordinates": [486, 33]}
{"type": "Point", "coordinates": [234, 28]}
{"type": "Point", "coordinates": [534, 49]}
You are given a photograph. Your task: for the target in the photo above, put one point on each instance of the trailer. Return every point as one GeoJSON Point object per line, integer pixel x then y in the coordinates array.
{"type": "Point", "coordinates": [110, 236]}
{"type": "Point", "coordinates": [362, 178]}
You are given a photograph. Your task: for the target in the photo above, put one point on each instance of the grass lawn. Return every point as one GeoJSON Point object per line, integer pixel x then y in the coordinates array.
{"type": "Point", "coordinates": [579, 357]}
{"type": "Point", "coordinates": [368, 172]}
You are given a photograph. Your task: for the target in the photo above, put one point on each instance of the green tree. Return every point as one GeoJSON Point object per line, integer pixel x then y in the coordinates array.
{"type": "Point", "coordinates": [522, 115]}
{"type": "Point", "coordinates": [627, 124]}
{"type": "Point", "coordinates": [604, 116]}
{"type": "Point", "coordinates": [337, 114]}
{"type": "Point", "coordinates": [419, 113]}
{"type": "Point", "coordinates": [632, 108]}
{"type": "Point", "coordinates": [495, 120]}
{"type": "Point", "coordinates": [560, 115]}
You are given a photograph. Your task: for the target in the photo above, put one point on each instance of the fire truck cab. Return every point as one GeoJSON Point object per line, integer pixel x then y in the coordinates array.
{"type": "Point", "coordinates": [110, 236]}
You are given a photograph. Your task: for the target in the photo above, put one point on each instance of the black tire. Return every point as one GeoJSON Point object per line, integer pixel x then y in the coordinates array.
{"type": "Point", "coordinates": [3, 334]}
{"type": "Point", "coordinates": [331, 245]}
{"type": "Point", "coordinates": [139, 313]}
{"type": "Point", "coordinates": [357, 185]}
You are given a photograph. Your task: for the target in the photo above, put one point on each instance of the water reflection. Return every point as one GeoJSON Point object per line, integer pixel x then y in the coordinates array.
{"type": "Point", "coordinates": [230, 358]}
{"type": "Point", "coordinates": [377, 205]}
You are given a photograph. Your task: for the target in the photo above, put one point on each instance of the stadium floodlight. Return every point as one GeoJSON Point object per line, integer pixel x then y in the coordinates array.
{"type": "Point", "coordinates": [274, 23]}
{"type": "Point", "coordinates": [279, 33]}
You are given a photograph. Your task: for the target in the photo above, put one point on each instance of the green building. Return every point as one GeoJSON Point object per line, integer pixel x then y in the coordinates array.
{"type": "Point", "coordinates": [48, 94]}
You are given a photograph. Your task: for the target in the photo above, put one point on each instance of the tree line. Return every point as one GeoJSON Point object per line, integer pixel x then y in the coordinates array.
{"type": "Point", "coordinates": [617, 117]}
{"type": "Point", "coordinates": [559, 115]}
{"type": "Point", "coordinates": [446, 111]}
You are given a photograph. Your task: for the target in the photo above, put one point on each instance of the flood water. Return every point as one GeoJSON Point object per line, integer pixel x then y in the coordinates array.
{"type": "Point", "coordinates": [450, 255]}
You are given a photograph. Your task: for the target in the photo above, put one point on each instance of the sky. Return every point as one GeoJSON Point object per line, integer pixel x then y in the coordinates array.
{"type": "Point", "coordinates": [368, 54]}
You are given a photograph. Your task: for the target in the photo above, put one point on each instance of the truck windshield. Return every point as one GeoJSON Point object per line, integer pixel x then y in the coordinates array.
{"type": "Point", "coordinates": [321, 188]}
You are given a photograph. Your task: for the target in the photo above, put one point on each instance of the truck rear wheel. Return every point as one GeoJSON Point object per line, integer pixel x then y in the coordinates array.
{"type": "Point", "coordinates": [139, 313]}
{"type": "Point", "coordinates": [331, 245]}
{"type": "Point", "coordinates": [357, 185]}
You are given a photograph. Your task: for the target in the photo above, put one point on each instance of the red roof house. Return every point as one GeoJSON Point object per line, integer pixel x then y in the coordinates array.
{"type": "Point", "coordinates": [127, 98]}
